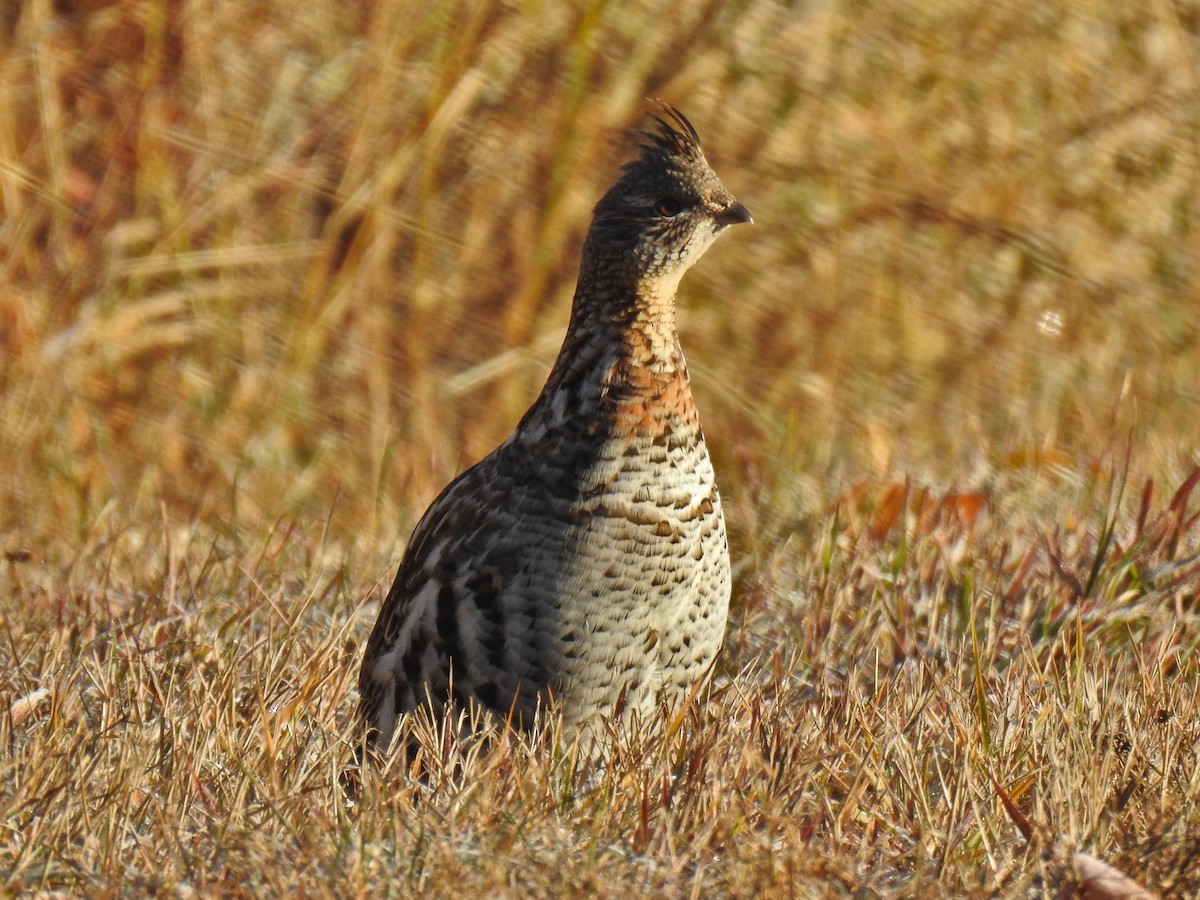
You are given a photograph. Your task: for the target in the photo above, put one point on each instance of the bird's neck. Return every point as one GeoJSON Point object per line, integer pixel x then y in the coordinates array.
{"type": "Point", "coordinates": [620, 362]}
{"type": "Point", "coordinates": [620, 325]}
{"type": "Point", "coordinates": [618, 312]}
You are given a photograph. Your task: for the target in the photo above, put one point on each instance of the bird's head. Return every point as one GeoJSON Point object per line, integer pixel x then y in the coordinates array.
{"type": "Point", "coordinates": [667, 207]}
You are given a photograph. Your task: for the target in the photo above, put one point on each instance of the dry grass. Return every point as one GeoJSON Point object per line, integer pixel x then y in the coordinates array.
{"type": "Point", "coordinates": [271, 274]}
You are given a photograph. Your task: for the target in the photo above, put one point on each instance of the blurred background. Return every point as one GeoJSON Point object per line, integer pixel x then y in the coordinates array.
{"type": "Point", "coordinates": [263, 261]}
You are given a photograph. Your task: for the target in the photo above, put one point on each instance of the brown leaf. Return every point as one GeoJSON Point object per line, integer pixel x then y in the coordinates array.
{"type": "Point", "coordinates": [966, 507]}
{"type": "Point", "coordinates": [888, 510]}
{"type": "Point", "coordinates": [1018, 818]}
{"type": "Point", "coordinates": [1100, 881]}
{"type": "Point", "coordinates": [1180, 499]}
{"type": "Point", "coordinates": [24, 707]}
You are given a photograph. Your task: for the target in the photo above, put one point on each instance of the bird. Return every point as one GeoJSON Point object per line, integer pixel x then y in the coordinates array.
{"type": "Point", "coordinates": [582, 566]}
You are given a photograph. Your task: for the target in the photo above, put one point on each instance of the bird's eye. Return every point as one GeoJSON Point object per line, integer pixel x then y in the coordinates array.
{"type": "Point", "coordinates": [667, 207]}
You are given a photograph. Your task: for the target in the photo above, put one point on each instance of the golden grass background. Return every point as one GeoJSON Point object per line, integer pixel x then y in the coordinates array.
{"type": "Point", "coordinates": [271, 274]}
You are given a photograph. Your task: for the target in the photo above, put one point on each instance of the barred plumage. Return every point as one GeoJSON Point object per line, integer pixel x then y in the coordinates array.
{"type": "Point", "coordinates": [585, 558]}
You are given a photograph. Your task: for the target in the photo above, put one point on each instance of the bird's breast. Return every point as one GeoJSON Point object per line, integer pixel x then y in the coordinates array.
{"type": "Point", "coordinates": [646, 404]}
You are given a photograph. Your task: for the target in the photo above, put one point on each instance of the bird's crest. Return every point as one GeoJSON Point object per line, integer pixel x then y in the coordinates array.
{"type": "Point", "coordinates": [675, 138]}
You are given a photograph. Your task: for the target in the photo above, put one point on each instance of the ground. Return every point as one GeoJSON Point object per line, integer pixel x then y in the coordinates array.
{"type": "Point", "coordinates": [273, 274]}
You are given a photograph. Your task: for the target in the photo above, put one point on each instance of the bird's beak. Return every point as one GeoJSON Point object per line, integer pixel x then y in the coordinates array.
{"type": "Point", "coordinates": [733, 214]}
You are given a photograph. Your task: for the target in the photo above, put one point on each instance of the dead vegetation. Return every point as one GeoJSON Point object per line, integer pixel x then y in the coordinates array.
{"type": "Point", "coordinates": [272, 274]}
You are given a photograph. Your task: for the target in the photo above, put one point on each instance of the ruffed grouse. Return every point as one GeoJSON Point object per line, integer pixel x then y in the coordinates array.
{"type": "Point", "coordinates": [584, 561]}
